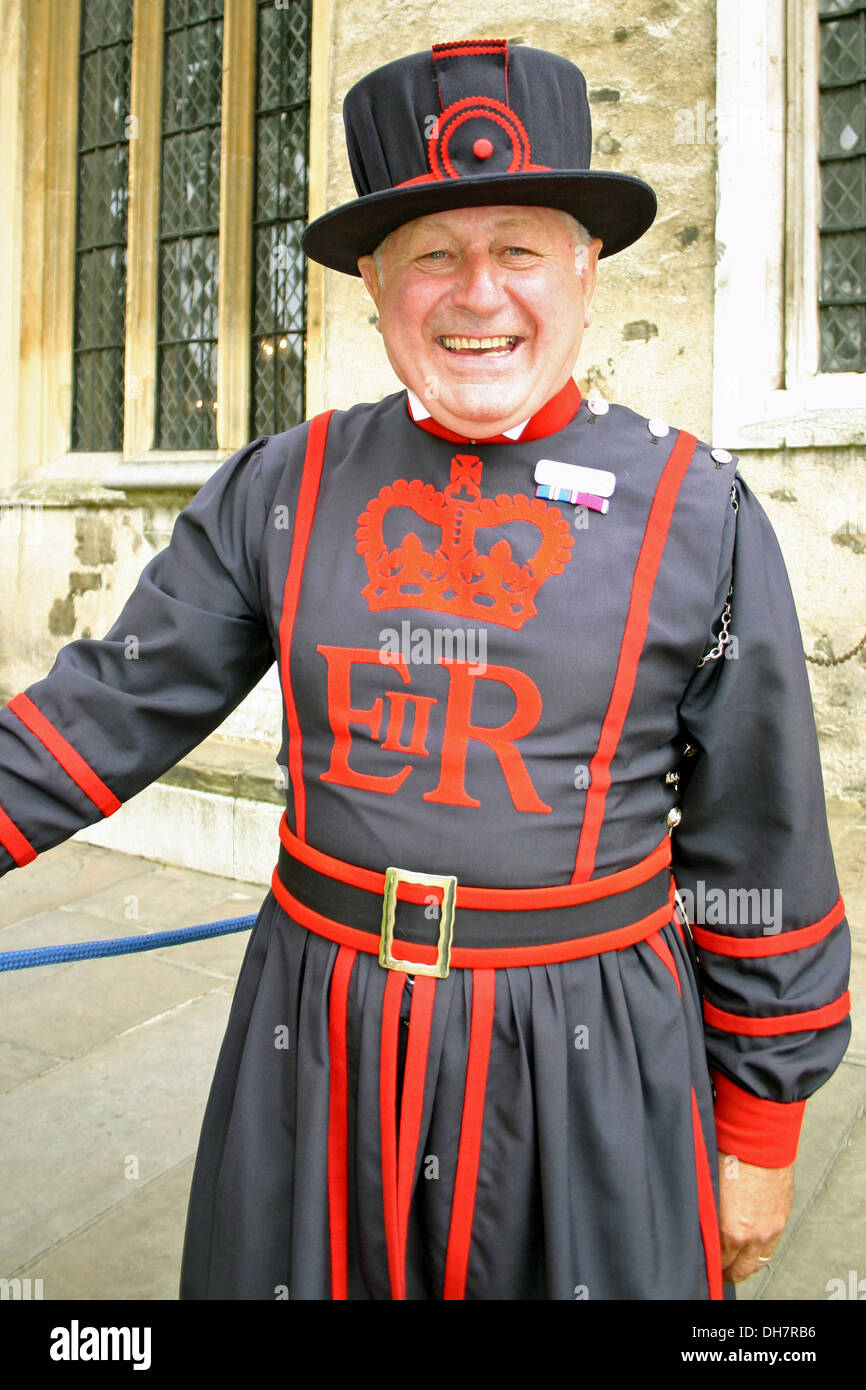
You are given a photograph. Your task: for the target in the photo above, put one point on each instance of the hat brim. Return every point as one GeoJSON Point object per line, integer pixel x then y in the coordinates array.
{"type": "Point", "coordinates": [616, 207]}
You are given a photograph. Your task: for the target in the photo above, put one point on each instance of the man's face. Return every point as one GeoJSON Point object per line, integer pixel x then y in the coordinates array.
{"type": "Point", "coordinates": [453, 281]}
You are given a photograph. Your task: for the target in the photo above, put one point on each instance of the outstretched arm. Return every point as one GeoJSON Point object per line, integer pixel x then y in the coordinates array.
{"type": "Point", "coordinates": [113, 715]}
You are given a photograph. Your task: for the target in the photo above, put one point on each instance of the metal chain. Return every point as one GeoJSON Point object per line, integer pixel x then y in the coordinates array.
{"type": "Point", "coordinates": [837, 660]}
{"type": "Point", "coordinates": [724, 637]}
{"type": "Point", "coordinates": [724, 634]}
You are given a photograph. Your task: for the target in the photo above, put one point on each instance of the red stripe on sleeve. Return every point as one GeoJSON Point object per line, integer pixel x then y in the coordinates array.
{"type": "Point", "coordinates": [633, 638]}
{"type": "Point", "coordinates": [469, 1150]}
{"type": "Point", "coordinates": [338, 1124]}
{"type": "Point", "coordinates": [707, 1213]}
{"type": "Point", "coordinates": [314, 459]}
{"type": "Point", "coordinates": [763, 1132]}
{"type": "Point", "coordinates": [14, 842]}
{"type": "Point", "coordinates": [72, 763]}
{"type": "Point", "coordinates": [782, 1023]}
{"type": "Point", "coordinates": [754, 946]}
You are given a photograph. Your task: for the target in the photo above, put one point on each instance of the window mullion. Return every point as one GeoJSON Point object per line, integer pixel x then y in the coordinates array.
{"type": "Point", "coordinates": [236, 210]}
{"type": "Point", "coordinates": [143, 228]}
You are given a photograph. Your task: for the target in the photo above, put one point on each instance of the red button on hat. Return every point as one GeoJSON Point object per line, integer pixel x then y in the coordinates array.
{"type": "Point", "coordinates": [483, 148]}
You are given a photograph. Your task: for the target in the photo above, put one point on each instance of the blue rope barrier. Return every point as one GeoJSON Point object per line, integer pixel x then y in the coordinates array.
{"type": "Point", "coordinates": [120, 945]}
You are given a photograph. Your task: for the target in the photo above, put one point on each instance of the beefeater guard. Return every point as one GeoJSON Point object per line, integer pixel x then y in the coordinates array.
{"type": "Point", "coordinates": [541, 669]}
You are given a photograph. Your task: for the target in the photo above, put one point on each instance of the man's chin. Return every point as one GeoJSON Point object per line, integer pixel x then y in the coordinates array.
{"type": "Point", "coordinates": [482, 406]}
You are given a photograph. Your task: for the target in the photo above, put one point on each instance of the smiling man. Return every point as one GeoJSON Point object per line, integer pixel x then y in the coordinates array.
{"type": "Point", "coordinates": [485, 308]}
{"type": "Point", "coordinates": [475, 1050]}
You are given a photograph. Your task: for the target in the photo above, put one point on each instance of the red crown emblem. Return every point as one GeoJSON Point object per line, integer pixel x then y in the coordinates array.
{"type": "Point", "coordinates": [459, 578]}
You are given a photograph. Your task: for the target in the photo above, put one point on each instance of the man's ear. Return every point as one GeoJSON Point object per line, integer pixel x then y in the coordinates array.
{"type": "Point", "coordinates": [588, 273]}
{"type": "Point", "coordinates": [369, 274]}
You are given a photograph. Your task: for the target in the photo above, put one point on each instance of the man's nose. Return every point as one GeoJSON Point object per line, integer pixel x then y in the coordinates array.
{"type": "Point", "coordinates": [480, 284]}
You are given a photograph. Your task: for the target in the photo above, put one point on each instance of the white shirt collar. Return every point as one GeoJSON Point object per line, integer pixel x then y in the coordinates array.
{"type": "Point", "coordinates": [419, 412]}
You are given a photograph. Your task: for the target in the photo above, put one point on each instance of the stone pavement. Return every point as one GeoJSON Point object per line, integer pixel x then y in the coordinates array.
{"type": "Point", "coordinates": [105, 1067]}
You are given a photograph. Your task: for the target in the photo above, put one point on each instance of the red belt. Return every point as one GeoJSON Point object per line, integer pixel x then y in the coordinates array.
{"type": "Point", "coordinates": [493, 927]}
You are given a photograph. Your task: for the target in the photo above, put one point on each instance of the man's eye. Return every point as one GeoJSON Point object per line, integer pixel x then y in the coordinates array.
{"type": "Point", "coordinates": [433, 255]}
{"type": "Point", "coordinates": [518, 251]}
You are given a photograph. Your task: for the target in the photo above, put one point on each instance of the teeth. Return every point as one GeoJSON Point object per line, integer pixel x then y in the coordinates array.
{"type": "Point", "coordinates": [477, 344]}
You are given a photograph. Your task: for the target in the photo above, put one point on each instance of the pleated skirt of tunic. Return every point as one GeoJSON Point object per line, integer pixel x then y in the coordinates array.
{"type": "Point", "coordinates": [596, 1174]}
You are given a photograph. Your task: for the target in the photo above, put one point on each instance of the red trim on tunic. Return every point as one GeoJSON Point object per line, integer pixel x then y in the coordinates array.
{"type": "Point", "coordinates": [314, 459]}
{"type": "Point", "coordinates": [494, 899]}
{"type": "Point", "coordinates": [633, 638]}
{"type": "Point", "coordinates": [753, 946]}
{"type": "Point", "coordinates": [464, 957]}
{"type": "Point", "coordinates": [412, 1104]}
{"type": "Point", "coordinates": [388, 1127]}
{"type": "Point", "coordinates": [558, 412]}
{"type": "Point", "coordinates": [781, 1023]}
{"type": "Point", "coordinates": [338, 1124]}
{"type": "Point", "coordinates": [471, 1133]}
{"type": "Point", "coordinates": [707, 1213]}
{"type": "Point", "coordinates": [72, 763]}
{"type": "Point", "coordinates": [764, 1132]}
{"type": "Point", "coordinates": [665, 955]}
{"type": "Point", "coordinates": [400, 1144]}
{"type": "Point", "coordinates": [12, 840]}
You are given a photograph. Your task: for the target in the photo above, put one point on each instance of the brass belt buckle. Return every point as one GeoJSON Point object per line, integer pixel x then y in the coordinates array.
{"type": "Point", "coordinates": [448, 884]}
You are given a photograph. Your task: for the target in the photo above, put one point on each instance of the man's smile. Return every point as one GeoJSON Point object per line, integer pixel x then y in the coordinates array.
{"type": "Point", "coordinates": [500, 346]}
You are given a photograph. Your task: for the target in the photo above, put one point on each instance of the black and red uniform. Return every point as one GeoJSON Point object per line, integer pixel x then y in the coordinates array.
{"type": "Point", "coordinates": [483, 684]}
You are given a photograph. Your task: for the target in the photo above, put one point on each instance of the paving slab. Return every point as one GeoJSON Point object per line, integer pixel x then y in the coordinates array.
{"type": "Point", "coordinates": [155, 897]}
{"type": "Point", "coordinates": [19, 1063]}
{"type": "Point", "coordinates": [132, 1251]}
{"type": "Point", "coordinates": [58, 926]}
{"type": "Point", "coordinates": [92, 1001]}
{"type": "Point", "coordinates": [59, 876]}
{"type": "Point", "coordinates": [67, 1139]}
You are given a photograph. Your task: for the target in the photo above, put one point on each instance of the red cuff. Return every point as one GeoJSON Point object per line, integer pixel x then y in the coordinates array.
{"type": "Point", "coordinates": [763, 1132]}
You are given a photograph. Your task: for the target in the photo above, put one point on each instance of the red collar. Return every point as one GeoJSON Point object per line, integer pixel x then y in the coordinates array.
{"type": "Point", "coordinates": [559, 411]}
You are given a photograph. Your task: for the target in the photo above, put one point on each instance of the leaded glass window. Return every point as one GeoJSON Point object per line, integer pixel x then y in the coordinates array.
{"type": "Point", "coordinates": [189, 225]}
{"type": "Point", "coordinates": [279, 215]}
{"type": "Point", "coordinates": [843, 186]}
{"type": "Point", "coordinates": [100, 243]}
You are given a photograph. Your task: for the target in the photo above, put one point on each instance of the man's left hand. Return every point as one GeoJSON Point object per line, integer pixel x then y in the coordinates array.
{"type": "Point", "coordinates": [755, 1203]}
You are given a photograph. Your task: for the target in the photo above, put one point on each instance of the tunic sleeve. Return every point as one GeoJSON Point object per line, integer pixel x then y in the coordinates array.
{"type": "Point", "coordinates": [112, 715]}
{"type": "Point", "coordinates": [753, 862]}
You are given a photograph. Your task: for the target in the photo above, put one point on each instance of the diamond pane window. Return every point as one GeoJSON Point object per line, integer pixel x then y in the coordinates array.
{"type": "Point", "coordinates": [842, 296]}
{"type": "Point", "coordinates": [279, 215]}
{"type": "Point", "coordinates": [189, 225]}
{"type": "Point", "coordinates": [100, 242]}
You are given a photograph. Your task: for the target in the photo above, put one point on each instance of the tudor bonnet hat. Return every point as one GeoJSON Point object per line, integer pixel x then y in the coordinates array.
{"type": "Point", "coordinates": [469, 124]}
